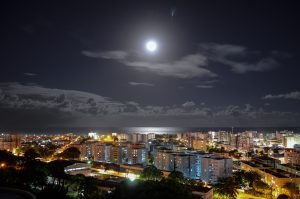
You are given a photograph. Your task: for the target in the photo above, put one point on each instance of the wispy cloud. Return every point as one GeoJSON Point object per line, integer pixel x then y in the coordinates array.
{"type": "Point", "coordinates": [207, 84]}
{"type": "Point", "coordinates": [189, 66]}
{"type": "Point", "coordinates": [204, 86]}
{"type": "Point", "coordinates": [210, 81]}
{"type": "Point", "coordinates": [188, 104]}
{"type": "Point", "coordinates": [240, 58]}
{"type": "Point", "coordinates": [140, 84]}
{"type": "Point", "coordinates": [292, 95]}
{"type": "Point", "coordinates": [30, 74]}
{"type": "Point", "coordinates": [116, 54]}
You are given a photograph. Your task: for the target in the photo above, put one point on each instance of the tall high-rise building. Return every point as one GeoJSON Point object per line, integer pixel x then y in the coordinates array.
{"type": "Point", "coordinates": [9, 142]}
{"type": "Point", "coordinates": [134, 138]}
{"type": "Point", "coordinates": [189, 164]}
{"type": "Point", "coordinates": [164, 160]}
{"type": "Point", "coordinates": [119, 154]}
{"type": "Point", "coordinates": [222, 136]}
{"type": "Point", "coordinates": [150, 136]}
{"type": "Point", "coordinates": [137, 154]}
{"type": "Point", "coordinates": [123, 137]}
{"type": "Point", "coordinates": [101, 152]}
{"type": "Point", "coordinates": [288, 141]}
{"type": "Point", "coordinates": [200, 144]}
{"type": "Point", "coordinates": [215, 167]}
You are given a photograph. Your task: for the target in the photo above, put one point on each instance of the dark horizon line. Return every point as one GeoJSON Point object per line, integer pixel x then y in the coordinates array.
{"type": "Point", "coordinates": [131, 129]}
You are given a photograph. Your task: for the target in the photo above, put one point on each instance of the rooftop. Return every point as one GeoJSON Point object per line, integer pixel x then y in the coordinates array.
{"type": "Point", "coordinates": [296, 167]}
{"type": "Point", "coordinates": [250, 164]}
{"type": "Point", "coordinates": [276, 173]}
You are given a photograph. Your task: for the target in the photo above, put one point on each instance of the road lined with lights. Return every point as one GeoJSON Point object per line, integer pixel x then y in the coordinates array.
{"type": "Point", "coordinates": [61, 149]}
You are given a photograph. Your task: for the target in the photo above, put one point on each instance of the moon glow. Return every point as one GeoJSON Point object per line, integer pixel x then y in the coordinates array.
{"type": "Point", "coordinates": [151, 46]}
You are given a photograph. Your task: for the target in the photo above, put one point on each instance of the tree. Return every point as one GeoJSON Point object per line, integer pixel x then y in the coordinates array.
{"type": "Point", "coordinates": [34, 174]}
{"type": "Point", "coordinates": [31, 154]}
{"type": "Point", "coordinates": [261, 187]}
{"type": "Point", "coordinates": [70, 153]}
{"type": "Point", "coordinates": [250, 177]}
{"type": "Point", "coordinates": [283, 196]}
{"type": "Point", "coordinates": [7, 158]}
{"type": "Point", "coordinates": [266, 149]}
{"type": "Point", "coordinates": [151, 173]}
{"type": "Point", "coordinates": [291, 188]}
{"type": "Point", "coordinates": [239, 177]}
{"type": "Point", "coordinates": [9, 177]}
{"type": "Point", "coordinates": [246, 178]}
{"type": "Point", "coordinates": [53, 191]}
{"type": "Point", "coordinates": [152, 189]}
{"type": "Point", "coordinates": [57, 172]}
{"type": "Point", "coordinates": [227, 188]}
{"type": "Point", "coordinates": [89, 188]}
{"type": "Point", "coordinates": [150, 159]}
{"type": "Point", "coordinates": [177, 176]}
{"type": "Point", "coordinates": [276, 150]}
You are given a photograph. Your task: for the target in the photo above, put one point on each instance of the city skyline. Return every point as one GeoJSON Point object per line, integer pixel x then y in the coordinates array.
{"type": "Point", "coordinates": [214, 64]}
{"type": "Point", "coordinates": [205, 164]}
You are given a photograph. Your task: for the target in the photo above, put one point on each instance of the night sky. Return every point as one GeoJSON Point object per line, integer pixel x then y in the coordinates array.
{"type": "Point", "coordinates": [84, 63]}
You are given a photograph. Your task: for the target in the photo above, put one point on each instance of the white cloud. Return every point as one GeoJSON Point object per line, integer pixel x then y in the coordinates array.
{"type": "Point", "coordinates": [30, 74]}
{"type": "Point", "coordinates": [140, 84]}
{"type": "Point", "coordinates": [239, 58]}
{"type": "Point", "coordinates": [116, 54]}
{"type": "Point", "coordinates": [188, 104]}
{"type": "Point", "coordinates": [18, 96]}
{"type": "Point", "coordinates": [292, 95]}
{"type": "Point", "coordinates": [204, 86]}
{"type": "Point", "coordinates": [189, 66]}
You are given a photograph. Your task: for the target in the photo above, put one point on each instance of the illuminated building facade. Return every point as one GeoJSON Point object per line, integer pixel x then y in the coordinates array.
{"type": "Point", "coordinates": [215, 167]}
{"type": "Point", "coordinates": [9, 142]}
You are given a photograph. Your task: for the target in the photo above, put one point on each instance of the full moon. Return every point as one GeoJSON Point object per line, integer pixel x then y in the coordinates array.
{"type": "Point", "coordinates": [151, 46]}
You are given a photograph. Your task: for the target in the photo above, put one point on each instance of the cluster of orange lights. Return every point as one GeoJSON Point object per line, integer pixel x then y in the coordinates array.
{"type": "Point", "coordinates": [106, 138]}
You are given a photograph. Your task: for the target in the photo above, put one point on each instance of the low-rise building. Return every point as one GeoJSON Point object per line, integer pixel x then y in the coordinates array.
{"type": "Point", "coordinates": [273, 176]}
{"type": "Point", "coordinates": [292, 156]}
